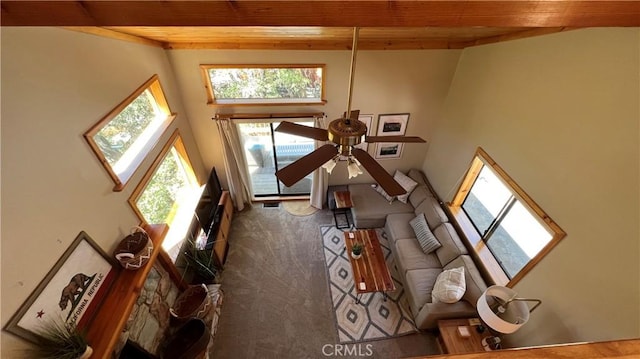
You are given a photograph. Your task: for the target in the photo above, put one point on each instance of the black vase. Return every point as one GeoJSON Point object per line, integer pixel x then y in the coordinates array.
{"type": "Point", "coordinates": [189, 341]}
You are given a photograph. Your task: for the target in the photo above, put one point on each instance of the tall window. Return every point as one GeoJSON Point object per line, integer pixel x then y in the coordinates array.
{"type": "Point", "coordinates": [506, 227]}
{"type": "Point", "coordinates": [123, 138]}
{"type": "Point", "coordinates": [264, 84]}
{"type": "Point", "coordinates": [168, 192]}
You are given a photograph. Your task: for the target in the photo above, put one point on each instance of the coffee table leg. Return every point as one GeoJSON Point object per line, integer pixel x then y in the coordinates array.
{"type": "Point", "coordinates": [384, 296]}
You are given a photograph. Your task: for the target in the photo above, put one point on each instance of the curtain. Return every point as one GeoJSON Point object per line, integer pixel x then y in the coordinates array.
{"type": "Point", "coordinates": [320, 180]}
{"type": "Point", "coordinates": [234, 163]}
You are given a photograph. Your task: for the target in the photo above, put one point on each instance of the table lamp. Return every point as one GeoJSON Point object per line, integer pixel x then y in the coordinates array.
{"type": "Point", "coordinates": [501, 310]}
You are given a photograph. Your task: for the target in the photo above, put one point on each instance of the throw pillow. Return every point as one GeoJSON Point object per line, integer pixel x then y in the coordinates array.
{"type": "Point", "coordinates": [450, 286]}
{"type": "Point", "coordinates": [428, 242]}
{"type": "Point", "coordinates": [384, 194]}
{"type": "Point", "coordinates": [407, 183]}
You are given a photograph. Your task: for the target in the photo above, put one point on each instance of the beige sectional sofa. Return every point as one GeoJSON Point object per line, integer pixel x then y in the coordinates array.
{"type": "Point", "coordinates": [418, 270]}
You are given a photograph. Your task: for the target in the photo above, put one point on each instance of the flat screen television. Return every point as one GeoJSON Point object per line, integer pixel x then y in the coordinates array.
{"type": "Point", "coordinates": [207, 210]}
{"type": "Point", "coordinates": [215, 188]}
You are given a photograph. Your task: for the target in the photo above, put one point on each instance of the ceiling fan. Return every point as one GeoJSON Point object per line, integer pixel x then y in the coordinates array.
{"type": "Point", "coordinates": [344, 133]}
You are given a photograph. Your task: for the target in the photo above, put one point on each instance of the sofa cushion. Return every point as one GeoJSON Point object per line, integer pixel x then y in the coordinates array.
{"type": "Point", "coordinates": [409, 256]}
{"type": "Point", "coordinates": [449, 287]}
{"type": "Point", "coordinates": [417, 176]}
{"type": "Point", "coordinates": [452, 246]}
{"type": "Point", "coordinates": [370, 209]}
{"type": "Point", "coordinates": [475, 284]}
{"type": "Point", "coordinates": [419, 194]}
{"type": "Point", "coordinates": [427, 240]}
{"type": "Point", "coordinates": [407, 183]}
{"type": "Point", "coordinates": [432, 212]}
{"type": "Point", "coordinates": [419, 284]}
{"type": "Point", "coordinates": [397, 226]}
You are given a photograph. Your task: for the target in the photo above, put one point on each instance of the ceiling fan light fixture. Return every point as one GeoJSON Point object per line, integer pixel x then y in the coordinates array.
{"type": "Point", "coordinates": [344, 133]}
{"type": "Point", "coordinates": [353, 168]}
{"type": "Point", "coordinates": [330, 165]}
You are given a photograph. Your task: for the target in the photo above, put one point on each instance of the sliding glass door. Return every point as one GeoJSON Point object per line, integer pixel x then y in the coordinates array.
{"type": "Point", "coordinates": [267, 151]}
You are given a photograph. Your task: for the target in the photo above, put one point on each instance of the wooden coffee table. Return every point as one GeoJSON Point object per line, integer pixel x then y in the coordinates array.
{"type": "Point", "coordinates": [370, 272]}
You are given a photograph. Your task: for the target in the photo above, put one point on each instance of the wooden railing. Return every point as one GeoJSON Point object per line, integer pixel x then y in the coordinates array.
{"type": "Point", "coordinates": [626, 349]}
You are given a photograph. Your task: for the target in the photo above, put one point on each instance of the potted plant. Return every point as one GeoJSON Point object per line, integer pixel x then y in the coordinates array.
{"type": "Point", "coordinates": [199, 261]}
{"type": "Point", "coordinates": [356, 250]}
{"type": "Point", "coordinates": [61, 341]}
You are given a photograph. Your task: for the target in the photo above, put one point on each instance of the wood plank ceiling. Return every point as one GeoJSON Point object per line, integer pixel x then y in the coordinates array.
{"type": "Point", "coordinates": [399, 24]}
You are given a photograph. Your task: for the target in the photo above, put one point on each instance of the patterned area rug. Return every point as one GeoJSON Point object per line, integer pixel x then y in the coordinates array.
{"type": "Point", "coordinates": [373, 318]}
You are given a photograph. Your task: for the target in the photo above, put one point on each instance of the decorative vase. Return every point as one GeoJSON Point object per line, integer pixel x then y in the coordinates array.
{"type": "Point", "coordinates": [194, 302]}
{"type": "Point", "coordinates": [87, 353]}
{"type": "Point", "coordinates": [356, 256]}
{"type": "Point", "coordinates": [134, 251]}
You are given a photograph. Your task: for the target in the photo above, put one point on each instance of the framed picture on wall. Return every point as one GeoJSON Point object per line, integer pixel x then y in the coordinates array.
{"type": "Point", "coordinates": [393, 124]}
{"type": "Point", "coordinates": [388, 150]}
{"type": "Point", "coordinates": [70, 293]}
{"type": "Point", "coordinates": [368, 121]}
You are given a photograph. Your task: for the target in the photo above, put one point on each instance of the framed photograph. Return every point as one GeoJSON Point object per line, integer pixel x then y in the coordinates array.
{"type": "Point", "coordinates": [393, 124]}
{"type": "Point", "coordinates": [388, 150]}
{"type": "Point", "coordinates": [368, 121]}
{"type": "Point", "coordinates": [70, 293]}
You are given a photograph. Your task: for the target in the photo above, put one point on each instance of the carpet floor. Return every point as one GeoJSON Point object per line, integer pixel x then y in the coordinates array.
{"type": "Point", "coordinates": [277, 302]}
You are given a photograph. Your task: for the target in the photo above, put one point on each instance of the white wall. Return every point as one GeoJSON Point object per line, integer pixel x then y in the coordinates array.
{"type": "Point", "coordinates": [55, 85]}
{"type": "Point", "coordinates": [385, 82]}
{"type": "Point", "coordinates": [560, 113]}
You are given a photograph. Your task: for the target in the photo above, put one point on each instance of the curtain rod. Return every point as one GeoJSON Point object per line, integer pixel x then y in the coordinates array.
{"type": "Point", "coordinates": [251, 116]}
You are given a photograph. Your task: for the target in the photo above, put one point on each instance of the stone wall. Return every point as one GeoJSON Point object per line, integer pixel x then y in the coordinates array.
{"type": "Point", "coordinates": [149, 317]}
{"type": "Point", "coordinates": [150, 321]}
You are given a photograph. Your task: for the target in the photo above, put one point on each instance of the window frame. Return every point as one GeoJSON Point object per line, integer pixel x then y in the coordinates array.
{"type": "Point", "coordinates": [212, 101]}
{"type": "Point", "coordinates": [467, 227]}
{"type": "Point", "coordinates": [174, 141]}
{"type": "Point", "coordinates": [155, 88]}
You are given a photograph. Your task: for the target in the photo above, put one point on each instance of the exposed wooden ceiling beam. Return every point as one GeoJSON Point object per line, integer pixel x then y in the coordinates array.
{"type": "Point", "coordinates": [101, 31]}
{"type": "Point", "coordinates": [512, 36]}
{"type": "Point", "coordinates": [306, 44]}
{"type": "Point", "coordinates": [563, 13]}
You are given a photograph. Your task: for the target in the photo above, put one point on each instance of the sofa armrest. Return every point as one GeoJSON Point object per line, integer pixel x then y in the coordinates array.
{"type": "Point", "coordinates": [430, 313]}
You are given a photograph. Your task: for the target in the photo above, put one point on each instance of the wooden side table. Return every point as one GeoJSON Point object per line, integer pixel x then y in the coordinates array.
{"type": "Point", "coordinates": [339, 201]}
{"type": "Point", "coordinates": [343, 207]}
{"type": "Point", "coordinates": [453, 343]}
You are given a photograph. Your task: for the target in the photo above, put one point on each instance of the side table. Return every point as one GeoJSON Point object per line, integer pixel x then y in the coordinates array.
{"type": "Point", "coordinates": [343, 207]}
{"type": "Point", "coordinates": [453, 343]}
{"type": "Point", "coordinates": [339, 201]}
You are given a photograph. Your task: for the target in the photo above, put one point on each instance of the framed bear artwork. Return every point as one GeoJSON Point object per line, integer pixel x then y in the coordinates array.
{"type": "Point", "coordinates": [70, 293]}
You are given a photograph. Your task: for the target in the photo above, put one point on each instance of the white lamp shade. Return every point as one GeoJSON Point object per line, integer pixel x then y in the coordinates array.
{"type": "Point", "coordinates": [353, 169]}
{"type": "Point", "coordinates": [509, 317]}
{"type": "Point", "coordinates": [329, 165]}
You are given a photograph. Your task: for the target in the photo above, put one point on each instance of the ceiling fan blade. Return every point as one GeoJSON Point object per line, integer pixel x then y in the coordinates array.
{"type": "Point", "coordinates": [378, 173]}
{"type": "Point", "coordinates": [372, 139]}
{"type": "Point", "coordinates": [305, 165]}
{"type": "Point", "coordinates": [304, 131]}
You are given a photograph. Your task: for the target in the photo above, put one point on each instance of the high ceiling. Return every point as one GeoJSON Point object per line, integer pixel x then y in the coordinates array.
{"type": "Point", "coordinates": [399, 24]}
